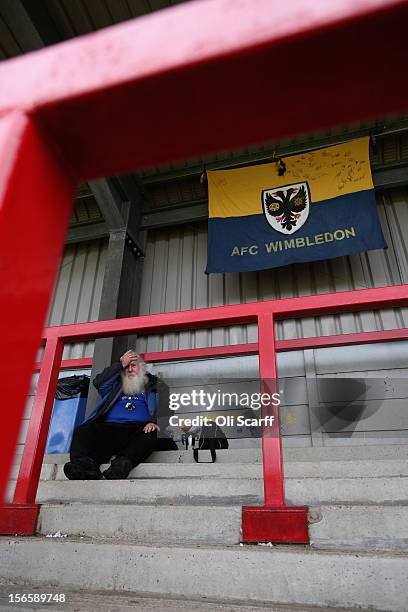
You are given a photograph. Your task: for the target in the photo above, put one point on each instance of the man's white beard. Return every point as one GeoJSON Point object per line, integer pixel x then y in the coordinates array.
{"type": "Point", "coordinates": [132, 385]}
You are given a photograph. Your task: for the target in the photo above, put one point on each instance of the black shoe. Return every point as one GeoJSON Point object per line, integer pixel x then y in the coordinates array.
{"type": "Point", "coordinates": [119, 469]}
{"type": "Point", "coordinates": [84, 468]}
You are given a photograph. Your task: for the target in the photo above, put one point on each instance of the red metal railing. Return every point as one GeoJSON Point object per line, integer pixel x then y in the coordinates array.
{"type": "Point", "coordinates": [372, 337]}
{"type": "Point", "coordinates": [143, 93]}
{"type": "Point", "coordinates": [281, 522]}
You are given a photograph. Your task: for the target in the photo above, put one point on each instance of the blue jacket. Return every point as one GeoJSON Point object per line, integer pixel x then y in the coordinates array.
{"type": "Point", "coordinates": [109, 385]}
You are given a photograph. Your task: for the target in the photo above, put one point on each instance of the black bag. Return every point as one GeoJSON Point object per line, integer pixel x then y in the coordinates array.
{"type": "Point", "coordinates": [72, 386]}
{"type": "Point", "coordinates": [211, 438]}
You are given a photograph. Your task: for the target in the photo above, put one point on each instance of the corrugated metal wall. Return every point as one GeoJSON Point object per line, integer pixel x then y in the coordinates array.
{"type": "Point", "coordinates": [76, 299]}
{"type": "Point", "coordinates": [78, 289]}
{"type": "Point", "coordinates": [174, 280]}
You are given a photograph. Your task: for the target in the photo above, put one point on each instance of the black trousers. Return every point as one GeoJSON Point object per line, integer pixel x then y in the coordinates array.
{"type": "Point", "coordinates": [100, 441]}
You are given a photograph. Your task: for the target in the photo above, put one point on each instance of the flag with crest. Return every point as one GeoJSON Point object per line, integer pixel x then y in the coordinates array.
{"type": "Point", "coordinates": [321, 205]}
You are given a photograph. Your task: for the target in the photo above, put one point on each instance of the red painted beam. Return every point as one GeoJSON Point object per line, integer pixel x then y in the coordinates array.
{"type": "Point", "coordinates": [274, 494]}
{"type": "Point", "coordinates": [295, 344]}
{"type": "Point", "coordinates": [342, 301]}
{"type": "Point", "coordinates": [310, 305]}
{"type": "Point", "coordinates": [34, 447]}
{"type": "Point", "coordinates": [280, 525]}
{"type": "Point", "coordinates": [32, 231]}
{"type": "Point", "coordinates": [71, 364]}
{"type": "Point", "coordinates": [274, 521]}
{"type": "Point", "coordinates": [388, 335]}
{"type": "Point", "coordinates": [231, 350]}
{"type": "Point", "coordinates": [111, 86]}
{"type": "Point", "coordinates": [157, 323]}
{"type": "Point", "coordinates": [18, 519]}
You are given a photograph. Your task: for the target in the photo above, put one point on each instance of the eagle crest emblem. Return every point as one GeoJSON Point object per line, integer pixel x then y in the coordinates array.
{"type": "Point", "coordinates": [287, 208]}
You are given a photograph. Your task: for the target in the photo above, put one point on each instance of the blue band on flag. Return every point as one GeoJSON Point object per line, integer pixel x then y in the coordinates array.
{"type": "Point", "coordinates": [340, 226]}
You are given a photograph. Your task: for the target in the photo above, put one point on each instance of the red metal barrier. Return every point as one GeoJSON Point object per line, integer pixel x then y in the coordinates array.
{"type": "Point", "coordinates": [273, 521]}
{"type": "Point", "coordinates": [299, 344]}
{"type": "Point", "coordinates": [94, 107]}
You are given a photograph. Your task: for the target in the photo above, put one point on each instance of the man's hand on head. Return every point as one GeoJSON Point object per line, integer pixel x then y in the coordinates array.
{"type": "Point", "coordinates": [127, 358]}
{"type": "Point", "coordinates": [149, 427]}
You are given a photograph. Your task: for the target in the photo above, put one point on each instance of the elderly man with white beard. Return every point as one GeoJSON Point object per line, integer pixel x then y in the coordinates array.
{"type": "Point", "coordinates": [124, 423]}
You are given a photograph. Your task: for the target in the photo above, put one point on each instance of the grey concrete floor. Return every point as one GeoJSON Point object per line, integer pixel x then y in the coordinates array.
{"type": "Point", "coordinates": [99, 601]}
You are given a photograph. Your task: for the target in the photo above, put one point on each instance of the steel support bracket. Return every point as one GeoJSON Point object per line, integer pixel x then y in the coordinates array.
{"type": "Point", "coordinates": [18, 519]}
{"type": "Point", "coordinates": [134, 245]}
{"type": "Point", "coordinates": [277, 524]}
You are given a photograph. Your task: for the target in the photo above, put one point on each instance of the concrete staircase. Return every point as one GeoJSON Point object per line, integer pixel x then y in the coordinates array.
{"type": "Point", "coordinates": [174, 528]}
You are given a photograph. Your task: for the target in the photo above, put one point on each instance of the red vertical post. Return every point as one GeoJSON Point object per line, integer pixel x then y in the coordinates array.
{"type": "Point", "coordinates": [273, 522]}
{"type": "Point", "coordinates": [34, 447]}
{"type": "Point", "coordinates": [271, 439]}
{"type": "Point", "coordinates": [36, 195]}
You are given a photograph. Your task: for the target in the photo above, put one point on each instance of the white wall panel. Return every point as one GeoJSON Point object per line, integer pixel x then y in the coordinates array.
{"type": "Point", "coordinates": [343, 395]}
{"type": "Point", "coordinates": [379, 409]}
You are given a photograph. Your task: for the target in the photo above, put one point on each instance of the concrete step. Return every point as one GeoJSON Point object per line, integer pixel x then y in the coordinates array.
{"type": "Point", "coordinates": [279, 575]}
{"type": "Point", "coordinates": [253, 455]}
{"type": "Point", "coordinates": [375, 527]}
{"type": "Point", "coordinates": [100, 601]}
{"type": "Point", "coordinates": [293, 469]}
{"type": "Point", "coordinates": [178, 491]}
{"type": "Point", "coordinates": [147, 523]}
{"type": "Point", "coordinates": [245, 455]}
{"type": "Point", "coordinates": [342, 526]}
{"type": "Point", "coordinates": [225, 491]}
{"type": "Point", "coordinates": [316, 491]}
{"type": "Point", "coordinates": [339, 453]}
